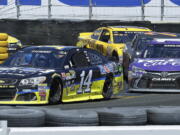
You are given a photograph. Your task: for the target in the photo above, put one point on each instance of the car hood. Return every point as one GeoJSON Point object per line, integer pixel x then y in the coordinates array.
{"type": "Point", "coordinates": [157, 64]}
{"type": "Point", "coordinates": [22, 72]}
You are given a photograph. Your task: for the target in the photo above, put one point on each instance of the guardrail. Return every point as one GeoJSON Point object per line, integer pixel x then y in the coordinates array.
{"type": "Point", "coordinates": [119, 130]}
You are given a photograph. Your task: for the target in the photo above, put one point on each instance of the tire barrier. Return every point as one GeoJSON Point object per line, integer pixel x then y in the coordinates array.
{"type": "Point", "coordinates": [3, 36]}
{"type": "Point", "coordinates": [23, 117]}
{"type": "Point", "coordinates": [164, 116]}
{"type": "Point", "coordinates": [3, 47]}
{"type": "Point", "coordinates": [116, 116]}
{"type": "Point", "coordinates": [54, 117]}
{"type": "Point", "coordinates": [71, 118]}
{"type": "Point", "coordinates": [3, 44]}
{"type": "Point", "coordinates": [3, 56]}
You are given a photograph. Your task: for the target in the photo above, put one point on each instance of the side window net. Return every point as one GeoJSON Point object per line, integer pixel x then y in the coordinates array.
{"type": "Point", "coordinates": [79, 60]}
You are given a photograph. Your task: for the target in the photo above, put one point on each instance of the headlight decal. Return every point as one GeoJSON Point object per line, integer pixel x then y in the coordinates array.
{"type": "Point", "coordinates": [32, 81]}
{"type": "Point", "coordinates": [138, 72]}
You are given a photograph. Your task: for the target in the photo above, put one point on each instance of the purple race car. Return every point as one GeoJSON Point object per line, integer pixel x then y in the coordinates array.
{"type": "Point", "coordinates": [157, 69]}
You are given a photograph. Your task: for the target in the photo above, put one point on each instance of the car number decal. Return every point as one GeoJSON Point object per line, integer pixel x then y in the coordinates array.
{"type": "Point", "coordinates": [85, 82]}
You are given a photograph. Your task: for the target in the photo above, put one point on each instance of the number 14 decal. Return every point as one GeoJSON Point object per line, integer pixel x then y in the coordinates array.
{"type": "Point", "coordinates": [85, 83]}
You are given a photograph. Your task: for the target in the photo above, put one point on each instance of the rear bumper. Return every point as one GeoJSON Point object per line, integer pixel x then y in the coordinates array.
{"type": "Point", "coordinates": [154, 90]}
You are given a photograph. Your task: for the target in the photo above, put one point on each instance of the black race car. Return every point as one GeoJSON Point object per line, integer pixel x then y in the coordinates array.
{"type": "Point", "coordinates": [50, 74]}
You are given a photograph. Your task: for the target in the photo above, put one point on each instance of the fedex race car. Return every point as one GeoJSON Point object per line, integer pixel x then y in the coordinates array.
{"type": "Point", "coordinates": [157, 69]}
{"type": "Point", "coordinates": [52, 74]}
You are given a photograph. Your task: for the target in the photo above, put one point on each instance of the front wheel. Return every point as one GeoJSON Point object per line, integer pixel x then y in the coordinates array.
{"type": "Point", "coordinates": [55, 95]}
{"type": "Point", "coordinates": [108, 88]}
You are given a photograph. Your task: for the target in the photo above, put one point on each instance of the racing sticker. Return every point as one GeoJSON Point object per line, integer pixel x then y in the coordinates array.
{"type": "Point", "coordinates": [85, 84]}
{"type": "Point", "coordinates": [148, 63]}
{"type": "Point", "coordinates": [107, 68]}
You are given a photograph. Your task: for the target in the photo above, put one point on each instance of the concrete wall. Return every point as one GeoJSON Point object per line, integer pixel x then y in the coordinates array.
{"type": "Point", "coordinates": [42, 32]}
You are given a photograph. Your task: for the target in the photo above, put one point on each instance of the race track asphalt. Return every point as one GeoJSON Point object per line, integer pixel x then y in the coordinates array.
{"type": "Point", "coordinates": [125, 99]}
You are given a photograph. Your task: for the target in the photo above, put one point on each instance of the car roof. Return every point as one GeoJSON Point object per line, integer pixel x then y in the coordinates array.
{"type": "Point", "coordinates": [50, 47]}
{"type": "Point", "coordinates": [158, 35]}
{"type": "Point", "coordinates": [128, 28]}
{"type": "Point", "coordinates": [165, 41]}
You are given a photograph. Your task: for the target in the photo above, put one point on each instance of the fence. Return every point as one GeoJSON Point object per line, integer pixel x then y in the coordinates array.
{"type": "Point", "coordinates": [131, 10]}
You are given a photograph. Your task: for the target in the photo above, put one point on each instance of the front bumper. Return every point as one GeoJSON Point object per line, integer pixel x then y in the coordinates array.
{"type": "Point", "coordinates": [14, 95]}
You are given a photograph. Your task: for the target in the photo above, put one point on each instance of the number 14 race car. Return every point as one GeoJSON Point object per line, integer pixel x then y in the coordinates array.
{"type": "Point", "coordinates": [52, 74]}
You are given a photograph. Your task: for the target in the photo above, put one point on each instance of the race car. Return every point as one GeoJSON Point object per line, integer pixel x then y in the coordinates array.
{"type": "Point", "coordinates": [110, 40]}
{"type": "Point", "coordinates": [157, 69]}
{"type": "Point", "coordinates": [139, 43]}
{"type": "Point", "coordinates": [52, 74]}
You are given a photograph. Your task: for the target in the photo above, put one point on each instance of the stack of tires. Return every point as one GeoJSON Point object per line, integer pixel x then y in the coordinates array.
{"type": "Point", "coordinates": [3, 47]}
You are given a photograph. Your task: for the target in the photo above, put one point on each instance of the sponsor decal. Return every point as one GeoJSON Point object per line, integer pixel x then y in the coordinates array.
{"type": "Point", "coordinates": [148, 63]}
{"type": "Point", "coordinates": [163, 79]}
{"type": "Point", "coordinates": [70, 75]}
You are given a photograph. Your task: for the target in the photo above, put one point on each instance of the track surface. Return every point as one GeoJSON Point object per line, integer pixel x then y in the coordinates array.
{"type": "Point", "coordinates": [125, 99]}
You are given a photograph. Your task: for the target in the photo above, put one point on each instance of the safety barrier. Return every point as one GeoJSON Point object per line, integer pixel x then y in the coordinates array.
{"type": "Point", "coordinates": [3, 47]}
{"type": "Point", "coordinates": [156, 115]}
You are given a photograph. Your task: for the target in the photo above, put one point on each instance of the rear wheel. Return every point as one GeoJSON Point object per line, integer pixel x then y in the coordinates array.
{"type": "Point", "coordinates": [55, 92]}
{"type": "Point", "coordinates": [108, 88]}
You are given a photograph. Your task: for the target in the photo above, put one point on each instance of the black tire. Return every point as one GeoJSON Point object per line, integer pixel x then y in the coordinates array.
{"type": "Point", "coordinates": [164, 116]}
{"type": "Point", "coordinates": [71, 118]}
{"type": "Point", "coordinates": [55, 92]}
{"type": "Point", "coordinates": [118, 116]}
{"type": "Point", "coordinates": [108, 88]}
{"type": "Point", "coordinates": [115, 57]}
{"type": "Point", "coordinates": [23, 117]}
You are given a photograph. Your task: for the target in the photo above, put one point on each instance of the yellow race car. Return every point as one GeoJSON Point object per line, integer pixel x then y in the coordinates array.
{"type": "Point", "coordinates": [110, 40]}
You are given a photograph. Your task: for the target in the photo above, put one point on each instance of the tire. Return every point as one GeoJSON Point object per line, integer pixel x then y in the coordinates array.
{"type": "Point", "coordinates": [23, 117]}
{"type": "Point", "coordinates": [108, 88]}
{"type": "Point", "coordinates": [3, 50]}
{"type": "Point", "coordinates": [55, 92]}
{"type": "Point", "coordinates": [3, 36]}
{"type": "Point", "coordinates": [71, 118]}
{"type": "Point", "coordinates": [1, 62]}
{"type": "Point", "coordinates": [3, 56]}
{"type": "Point", "coordinates": [164, 116]}
{"type": "Point", "coordinates": [115, 56]}
{"type": "Point", "coordinates": [118, 116]}
{"type": "Point", "coordinates": [3, 43]}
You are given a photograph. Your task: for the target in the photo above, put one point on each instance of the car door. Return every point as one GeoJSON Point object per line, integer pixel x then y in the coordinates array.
{"type": "Point", "coordinates": [103, 43]}
{"type": "Point", "coordinates": [97, 62]}
{"type": "Point", "coordinates": [94, 38]}
{"type": "Point", "coordinates": [79, 64]}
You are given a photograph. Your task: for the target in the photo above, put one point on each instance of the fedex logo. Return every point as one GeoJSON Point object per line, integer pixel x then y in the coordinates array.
{"type": "Point", "coordinates": [98, 3]}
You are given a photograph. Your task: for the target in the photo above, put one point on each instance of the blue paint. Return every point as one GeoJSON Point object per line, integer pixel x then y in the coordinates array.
{"type": "Point", "coordinates": [29, 2]}
{"type": "Point", "coordinates": [25, 92]}
{"type": "Point", "coordinates": [177, 2]}
{"type": "Point", "coordinates": [3, 2]}
{"type": "Point", "coordinates": [105, 3]}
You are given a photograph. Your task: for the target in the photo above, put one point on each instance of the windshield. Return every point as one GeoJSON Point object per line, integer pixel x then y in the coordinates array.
{"type": "Point", "coordinates": [36, 59]}
{"type": "Point", "coordinates": [162, 51]}
{"type": "Point", "coordinates": [124, 36]}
